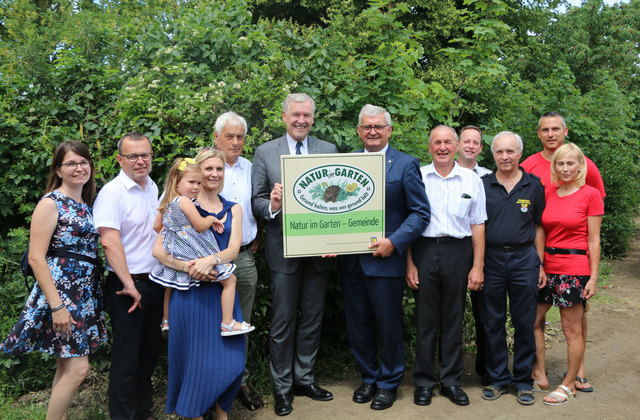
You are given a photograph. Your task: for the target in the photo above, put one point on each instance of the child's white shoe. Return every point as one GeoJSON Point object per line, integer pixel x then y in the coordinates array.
{"type": "Point", "coordinates": [227, 329]}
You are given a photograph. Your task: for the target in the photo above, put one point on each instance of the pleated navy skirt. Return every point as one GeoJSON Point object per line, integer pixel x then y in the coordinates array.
{"type": "Point", "coordinates": [204, 367]}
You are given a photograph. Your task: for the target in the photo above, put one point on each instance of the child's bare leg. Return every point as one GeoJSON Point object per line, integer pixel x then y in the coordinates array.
{"type": "Point", "coordinates": [227, 299]}
{"type": "Point", "coordinates": [165, 304]}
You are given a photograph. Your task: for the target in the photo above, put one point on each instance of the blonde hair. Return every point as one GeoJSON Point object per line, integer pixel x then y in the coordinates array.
{"type": "Point", "coordinates": [173, 179]}
{"type": "Point", "coordinates": [561, 152]}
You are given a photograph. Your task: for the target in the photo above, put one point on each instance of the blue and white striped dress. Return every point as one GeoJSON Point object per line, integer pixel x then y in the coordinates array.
{"type": "Point", "coordinates": [183, 242]}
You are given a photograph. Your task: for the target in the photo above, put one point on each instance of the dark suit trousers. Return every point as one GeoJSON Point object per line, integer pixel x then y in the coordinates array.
{"type": "Point", "coordinates": [293, 351]}
{"type": "Point", "coordinates": [515, 273]}
{"type": "Point", "coordinates": [481, 340]}
{"type": "Point", "coordinates": [443, 270]}
{"type": "Point", "coordinates": [371, 302]}
{"type": "Point", "coordinates": [135, 348]}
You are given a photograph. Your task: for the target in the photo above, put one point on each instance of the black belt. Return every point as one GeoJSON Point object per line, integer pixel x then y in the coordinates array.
{"type": "Point", "coordinates": [142, 276]}
{"type": "Point", "coordinates": [509, 248]}
{"type": "Point", "coordinates": [63, 253]}
{"type": "Point", "coordinates": [444, 239]}
{"type": "Point", "coordinates": [245, 247]}
{"type": "Point", "coordinates": [565, 251]}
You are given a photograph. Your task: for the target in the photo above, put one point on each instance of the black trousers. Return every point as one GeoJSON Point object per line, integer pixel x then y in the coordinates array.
{"type": "Point", "coordinates": [481, 339]}
{"type": "Point", "coordinates": [443, 270]}
{"type": "Point", "coordinates": [514, 274]}
{"type": "Point", "coordinates": [135, 348]}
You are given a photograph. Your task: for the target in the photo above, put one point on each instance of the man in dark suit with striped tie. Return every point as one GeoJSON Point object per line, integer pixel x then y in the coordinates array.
{"type": "Point", "coordinates": [296, 283]}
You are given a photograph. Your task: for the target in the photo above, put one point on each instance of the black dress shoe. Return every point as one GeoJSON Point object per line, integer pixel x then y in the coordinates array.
{"type": "Point", "coordinates": [364, 393]}
{"type": "Point", "coordinates": [383, 399]}
{"type": "Point", "coordinates": [283, 404]}
{"type": "Point", "coordinates": [249, 397]}
{"type": "Point", "coordinates": [313, 391]}
{"type": "Point", "coordinates": [456, 395]}
{"type": "Point", "coordinates": [422, 395]}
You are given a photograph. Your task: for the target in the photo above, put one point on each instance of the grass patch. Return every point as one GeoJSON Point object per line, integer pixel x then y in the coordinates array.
{"type": "Point", "coordinates": [12, 409]}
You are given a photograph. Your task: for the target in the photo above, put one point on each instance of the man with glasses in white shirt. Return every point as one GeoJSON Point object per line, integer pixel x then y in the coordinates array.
{"type": "Point", "coordinates": [124, 212]}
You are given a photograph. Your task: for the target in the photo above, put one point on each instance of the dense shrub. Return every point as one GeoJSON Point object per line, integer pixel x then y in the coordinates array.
{"type": "Point", "coordinates": [93, 71]}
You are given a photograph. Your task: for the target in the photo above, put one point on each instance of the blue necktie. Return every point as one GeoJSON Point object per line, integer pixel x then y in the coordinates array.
{"type": "Point", "coordinates": [298, 146]}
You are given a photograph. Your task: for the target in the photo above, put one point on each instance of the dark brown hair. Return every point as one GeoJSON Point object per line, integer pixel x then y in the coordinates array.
{"type": "Point", "coordinates": [89, 189]}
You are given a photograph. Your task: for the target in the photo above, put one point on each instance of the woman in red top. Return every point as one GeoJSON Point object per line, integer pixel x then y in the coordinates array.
{"type": "Point", "coordinates": [571, 222]}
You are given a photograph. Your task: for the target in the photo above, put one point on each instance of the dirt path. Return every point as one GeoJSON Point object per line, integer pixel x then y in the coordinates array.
{"type": "Point", "coordinates": [612, 362]}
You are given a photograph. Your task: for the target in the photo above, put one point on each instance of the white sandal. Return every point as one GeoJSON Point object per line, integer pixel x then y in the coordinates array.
{"type": "Point", "coordinates": [560, 397]}
{"type": "Point", "coordinates": [227, 329]}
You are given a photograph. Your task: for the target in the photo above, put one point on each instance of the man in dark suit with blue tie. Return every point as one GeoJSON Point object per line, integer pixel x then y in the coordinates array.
{"type": "Point", "coordinates": [373, 284]}
{"type": "Point", "coordinates": [296, 283]}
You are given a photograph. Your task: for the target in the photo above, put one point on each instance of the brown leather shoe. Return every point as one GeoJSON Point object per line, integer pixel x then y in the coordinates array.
{"type": "Point", "coordinates": [249, 398]}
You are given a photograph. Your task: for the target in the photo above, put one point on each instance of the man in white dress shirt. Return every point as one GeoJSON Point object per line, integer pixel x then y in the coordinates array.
{"type": "Point", "coordinates": [446, 259]}
{"type": "Point", "coordinates": [230, 132]}
{"type": "Point", "coordinates": [124, 212]}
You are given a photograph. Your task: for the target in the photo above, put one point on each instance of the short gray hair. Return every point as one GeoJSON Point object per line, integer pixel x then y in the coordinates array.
{"type": "Point", "coordinates": [455, 135]}
{"type": "Point", "coordinates": [371, 111]}
{"type": "Point", "coordinates": [132, 136]}
{"type": "Point", "coordinates": [231, 118]}
{"type": "Point", "coordinates": [297, 97]}
{"type": "Point", "coordinates": [506, 133]}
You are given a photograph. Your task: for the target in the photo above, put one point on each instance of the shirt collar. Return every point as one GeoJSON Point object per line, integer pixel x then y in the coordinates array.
{"type": "Point", "coordinates": [292, 143]}
{"type": "Point", "coordinates": [456, 171]}
{"type": "Point", "coordinates": [240, 163]}
{"type": "Point", "coordinates": [384, 149]}
{"type": "Point", "coordinates": [130, 183]}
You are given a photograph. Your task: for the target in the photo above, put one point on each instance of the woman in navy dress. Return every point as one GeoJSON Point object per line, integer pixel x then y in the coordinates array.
{"type": "Point", "coordinates": [64, 313]}
{"type": "Point", "coordinates": [205, 368]}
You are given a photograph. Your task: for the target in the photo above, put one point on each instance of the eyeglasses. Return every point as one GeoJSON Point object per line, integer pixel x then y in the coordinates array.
{"type": "Point", "coordinates": [133, 157]}
{"type": "Point", "coordinates": [378, 128]}
{"type": "Point", "coordinates": [84, 164]}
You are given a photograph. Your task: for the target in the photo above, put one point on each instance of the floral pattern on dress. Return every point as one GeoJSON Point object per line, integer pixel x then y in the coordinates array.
{"type": "Point", "coordinates": [563, 290]}
{"type": "Point", "coordinates": [78, 285]}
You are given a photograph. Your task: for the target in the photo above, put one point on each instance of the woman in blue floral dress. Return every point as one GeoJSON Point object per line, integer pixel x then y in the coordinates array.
{"type": "Point", "coordinates": [63, 315]}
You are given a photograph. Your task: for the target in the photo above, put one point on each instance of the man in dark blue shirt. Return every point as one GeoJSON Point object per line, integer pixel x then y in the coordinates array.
{"type": "Point", "coordinates": [514, 251]}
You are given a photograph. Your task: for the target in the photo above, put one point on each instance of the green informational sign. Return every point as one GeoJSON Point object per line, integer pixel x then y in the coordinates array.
{"type": "Point", "coordinates": [332, 203]}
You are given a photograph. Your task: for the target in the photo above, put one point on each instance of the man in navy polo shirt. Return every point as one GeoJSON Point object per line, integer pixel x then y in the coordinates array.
{"type": "Point", "coordinates": [514, 250]}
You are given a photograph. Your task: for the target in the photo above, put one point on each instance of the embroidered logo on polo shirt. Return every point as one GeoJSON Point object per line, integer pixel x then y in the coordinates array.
{"type": "Point", "coordinates": [524, 204]}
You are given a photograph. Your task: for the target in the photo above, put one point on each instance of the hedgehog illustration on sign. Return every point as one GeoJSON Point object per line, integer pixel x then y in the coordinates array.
{"type": "Point", "coordinates": [331, 194]}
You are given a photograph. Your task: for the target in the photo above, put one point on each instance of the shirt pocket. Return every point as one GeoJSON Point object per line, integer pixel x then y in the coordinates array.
{"type": "Point", "coordinates": [461, 206]}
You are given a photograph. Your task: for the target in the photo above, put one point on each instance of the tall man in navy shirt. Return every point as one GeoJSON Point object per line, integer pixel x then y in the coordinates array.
{"type": "Point", "coordinates": [514, 250]}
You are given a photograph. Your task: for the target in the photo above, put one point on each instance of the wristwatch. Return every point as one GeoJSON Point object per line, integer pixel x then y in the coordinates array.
{"type": "Point", "coordinates": [218, 260]}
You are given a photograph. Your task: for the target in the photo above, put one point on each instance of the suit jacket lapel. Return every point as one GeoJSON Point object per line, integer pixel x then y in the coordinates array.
{"type": "Point", "coordinates": [312, 144]}
{"type": "Point", "coordinates": [390, 157]}
{"type": "Point", "coordinates": [283, 146]}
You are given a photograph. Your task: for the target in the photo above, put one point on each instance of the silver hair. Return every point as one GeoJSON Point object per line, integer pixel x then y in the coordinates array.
{"type": "Point", "coordinates": [506, 133]}
{"type": "Point", "coordinates": [297, 97]}
{"type": "Point", "coordinates": [371, 111]}
{"type": "Point", "coordinates": [231, 118]}
{"type": "Point", "coordinates": [552, 114]}
{"type": "Point", "coordinates": [455, 135]}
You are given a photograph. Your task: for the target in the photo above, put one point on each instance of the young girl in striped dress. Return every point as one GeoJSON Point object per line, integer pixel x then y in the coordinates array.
{"type": "Point", "coordinates": [186, 236]}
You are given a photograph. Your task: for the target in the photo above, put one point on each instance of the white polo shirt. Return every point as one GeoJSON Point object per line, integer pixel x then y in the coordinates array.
{"type": "Point", "coordinates": [237, 188]}
{"type": "Point", "coordinates": [457, 201]}
{"type": "Point", "coordinates": [123, 205]}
